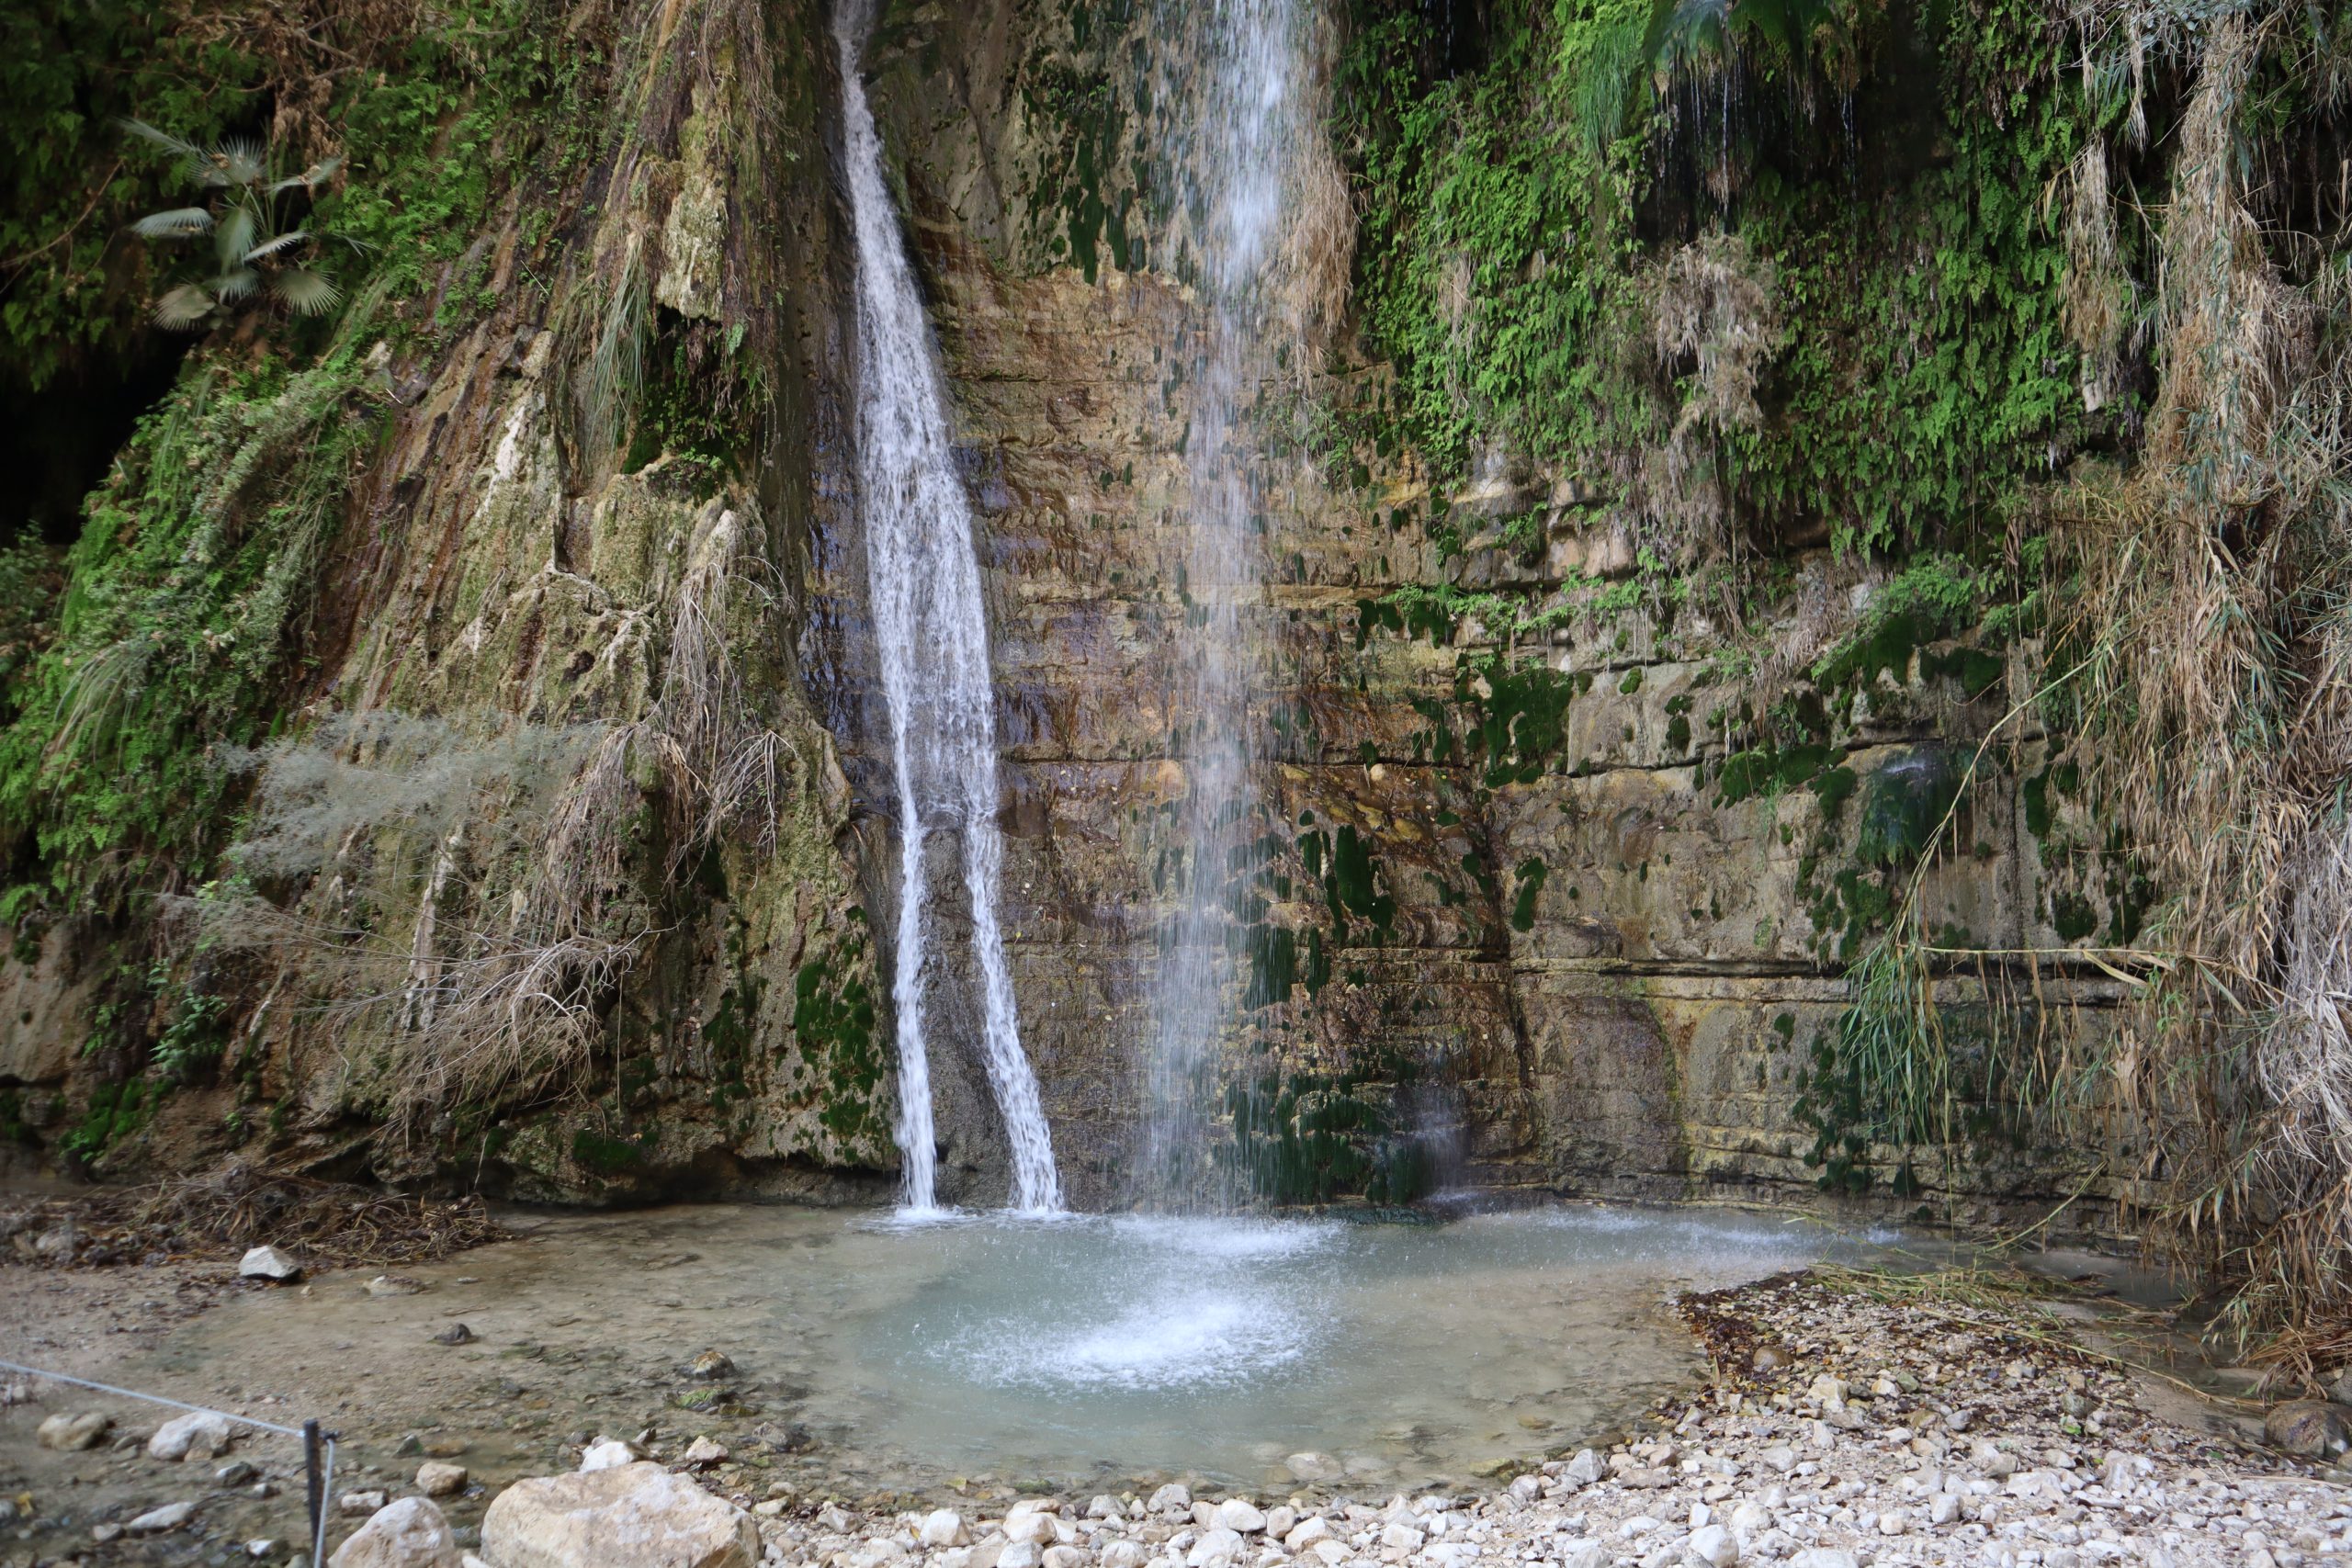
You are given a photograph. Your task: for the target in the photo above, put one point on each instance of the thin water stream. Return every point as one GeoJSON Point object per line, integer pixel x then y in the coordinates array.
{"type": "Point", "coordinates": [931, 634]}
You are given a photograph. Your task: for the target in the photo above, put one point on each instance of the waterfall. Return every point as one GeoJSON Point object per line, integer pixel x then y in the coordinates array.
{"type": "Point", "coordinates": [1236, 155]}
{"type": "Point", "coordinates": [933, 639]}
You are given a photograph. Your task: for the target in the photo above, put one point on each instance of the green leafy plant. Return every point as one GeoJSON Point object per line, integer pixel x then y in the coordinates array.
{"type": "Point", "coordinates": [256, 243]}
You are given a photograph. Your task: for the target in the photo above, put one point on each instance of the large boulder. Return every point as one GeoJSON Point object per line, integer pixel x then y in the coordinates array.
{"type": "Point", "coordinates": [409, 1533]}
{"type": "Point", "coordinates": [632, 1516]}
{"type": "Point", "coordinates": [2310, 1427]}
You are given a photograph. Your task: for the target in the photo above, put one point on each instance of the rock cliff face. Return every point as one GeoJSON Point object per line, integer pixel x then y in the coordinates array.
{"type": "Point", "coordinates": [1529, 909]}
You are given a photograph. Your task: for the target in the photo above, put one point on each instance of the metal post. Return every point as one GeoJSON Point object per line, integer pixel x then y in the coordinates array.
{"type": "Point", "coordinates": [316, 1479]}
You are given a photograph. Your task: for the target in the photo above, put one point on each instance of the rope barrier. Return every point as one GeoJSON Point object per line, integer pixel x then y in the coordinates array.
{"type": "Point", "coordinates": [318, 1447]}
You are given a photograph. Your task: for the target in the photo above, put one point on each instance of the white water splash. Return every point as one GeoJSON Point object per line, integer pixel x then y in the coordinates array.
{"type": "Point", "coordinates": [1238, 160]}
{"type": "Point", "coordinates": [932, 637]}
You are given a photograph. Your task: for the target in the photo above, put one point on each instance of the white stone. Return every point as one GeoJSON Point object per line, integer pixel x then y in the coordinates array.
{"type": "Point", "coordinates": [1026, 1525]}
{"type": "Point", "coordinates": [358, 1505]}
{"type": "Point", "coordinates": [1585, 1554]}
{"type": "Point", "coordinates": [155, 1522]}
{"type": "Point", "coordinates": [1585, 1469]}
{"type": "Point", "coordinates": [1238, 1515]}
{"type": "Point", "coordinates": [261, 1546]}
{"type": "Point", "coordinates": [1780, 1457]}
{"type": "Point", "coordinates": [1020, 1554]}
{"type": "Point", "coordinates": [1171, 1498]}
{"type": "Point", "coordinates": [1306, 1533]}
{"type": "Point", "coordinates": [943, 1526]}
{"type": "Point", "coordinates": [1102, 1505]}
{"type": "Point", "coordinates": [1068, 1557]}
{"type": "Point", "coordinates": [437, 1479]}
{"type": "Point", "coordinates": [1944, 1509]}
{"type": "Point", "coordinates": [409, 1533]}
{"type": "Point", "coordinates": [198, 1435]}
{"type": "Point", "coordinates": [1527, 1488]}
{"type": "Point", "coordinates": [1214, 1546]}
{"type": "Point", "coordinates": [1124, 1554]}
{"type": "Point", "coordinates": [606, 1453]}
{"type": "Point", "coordinates": [267, 1263]}
{"type": "Point", "coordinates": [705, 1451]}
{"type": "Point", "coordinates": [1823, 1557]}
{"type": "Point", "coordinates": [634, 1516]}
{"type": "Point", "coordinates": [1398, 1536]}
{"type": "Point", "coordinates": [1712, 1546]}
{"type": "Point", "coordinates": [1331, 1553]}
{"type": "Point", "coordinates": [1312, 1466]}
{"type": "Point", "coordinates": [1281, 1520]}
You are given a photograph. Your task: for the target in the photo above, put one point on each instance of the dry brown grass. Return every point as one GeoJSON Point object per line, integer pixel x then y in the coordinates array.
{"type": "Point", "coordinates": [2209, 590]}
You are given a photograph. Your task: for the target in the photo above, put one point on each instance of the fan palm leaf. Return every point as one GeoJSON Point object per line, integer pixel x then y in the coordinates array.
{"type": "Point", "coordinates": [184, 307]}
{"type": "Point", "coordinates": [304, 292]}
{"type": "Point", "coordinates": [177, 224]}
{"type": "Point", "coordinates": [277, 243]}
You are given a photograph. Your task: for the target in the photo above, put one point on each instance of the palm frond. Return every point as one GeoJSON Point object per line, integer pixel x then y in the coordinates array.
{"type": "Point", "coordinates": [177, 224]}
{"type": "Point", "coordinates": [235, 284]}
{"type": "Point", "coordinates": [184, 307]}
{"type": "Point", "coordinates": [310, 178]}
{"type": "Point", "coordinates": [234, 236]}
{"type": "Point", "coordinates": [239, 161]}
{"type": "Point", "coordinates": [277, 243]}
{"type": "Point", "coordinates": [306, 293]}
{"type": "Point", "coordinates": [190, 155]}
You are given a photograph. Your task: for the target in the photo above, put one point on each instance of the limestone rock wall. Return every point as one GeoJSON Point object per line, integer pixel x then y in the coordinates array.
{"type": "Point", "coordinates": [1562, 936]}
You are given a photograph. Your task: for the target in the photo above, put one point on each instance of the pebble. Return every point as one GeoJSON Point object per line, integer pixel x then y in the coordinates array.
{"type": "Point", "coordinates": [358, 1505]}
{"type": "Point", "coordinates": [437, 1479]}
{"type": "Point", "coordinates": [268, 1263]}
{"type": "Point", "coordinates": [1239, 1515]}
{"type": "Point", "coordinates": [156, 1521]}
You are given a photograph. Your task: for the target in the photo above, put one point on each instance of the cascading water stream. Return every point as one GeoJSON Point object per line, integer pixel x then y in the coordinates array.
{"type": "Point", "coordinates": [932, 633]}
{"type": "Point", "coordinates": [1237, 157]}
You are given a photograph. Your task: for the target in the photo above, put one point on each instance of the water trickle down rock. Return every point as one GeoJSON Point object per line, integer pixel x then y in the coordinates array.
{"type": "Point", "coordinates": [932, 636]}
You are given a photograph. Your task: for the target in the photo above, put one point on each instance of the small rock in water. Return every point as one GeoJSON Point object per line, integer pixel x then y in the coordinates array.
{"type": "Point", "coordinates": [705, 1451]}
{"type": "Point", "coordinates": [943, 1526]}
{"type": "Point", "coordinates": [2310, 1428]}
{"type": "Point", "coordinates": [358, 1505]}
{"type": "Point", "coordinates": [710, 1364]}
{"type": "Point", "coordinates": [1238, 1515]}
{"type": "Point", "coordinates": [1311, 1466]}
{"type": "Point", "coordinates": [261, 1546]}
{"type": "Point", "coordinates": [268, 1263]}
{"type": "Point", "coordinates": [437, 1479]}
{"type": "Point", "coordinates": [606, 1453]}
{"type": "Point", "coordinates": [73, 1434]}
{"type": "Point", "coordinates": [409, 1533]}
{"type": "Point", "coordinates": [455, 1333]}
{"type": "Point", "coordinates": [198, 1435]}
{"type": "Point", "coordinates": [156, 1521]}
{"type": "Point", "coordinates": [393, 1285]}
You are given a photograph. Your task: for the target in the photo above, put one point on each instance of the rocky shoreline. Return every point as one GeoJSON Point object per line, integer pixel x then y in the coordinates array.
{"type": "Point", "coordinates": [1839, 1429]}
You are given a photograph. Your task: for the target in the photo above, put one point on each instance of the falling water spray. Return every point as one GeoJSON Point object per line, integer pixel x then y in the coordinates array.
{"type": "Point", "coordinates": [932, 635]}
{"type": "Point", "coordinates": [1237, 152]}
